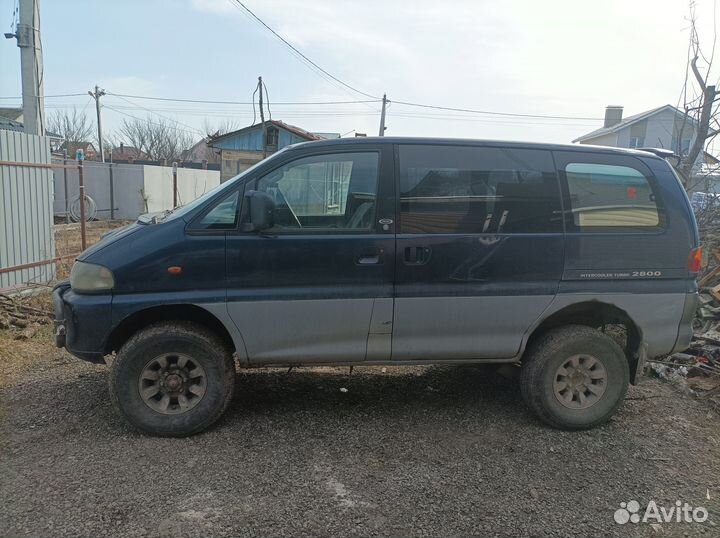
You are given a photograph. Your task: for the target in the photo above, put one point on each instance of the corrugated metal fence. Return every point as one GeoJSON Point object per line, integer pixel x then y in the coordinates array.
{"type": "Point", "coordinates": [26, 208]}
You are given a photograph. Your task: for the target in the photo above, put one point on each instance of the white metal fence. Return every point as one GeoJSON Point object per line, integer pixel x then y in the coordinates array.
{"type": "Point", "coordinates": [125, 191]}
{"type": "Point", "coordinates": [26, 209]}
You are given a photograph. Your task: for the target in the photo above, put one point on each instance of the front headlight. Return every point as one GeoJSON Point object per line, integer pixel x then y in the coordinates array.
{"type": "Point", "coordinates": [88, 277]}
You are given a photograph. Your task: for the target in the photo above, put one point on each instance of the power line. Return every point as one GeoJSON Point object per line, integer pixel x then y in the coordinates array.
{"type": "Point", "coordinates": [253, 103]}
{"type": "Point", "coordinates": [491, 113]}
{"type": "Point", "coordinates": [407, 103]}
{"type": "Point", "coordinates": [491, 121]}
{"type": "Point", "coordinates": [211, 101]}
{"type": "Point", "coordinates": [268, 100]}
{"type": "Point", "coordinates": [157, 114]}
{"type": "Point", "coordinates": [322, 103]}
{"type": "Point", "coordinates": [48, 96]}
{"type": "Point", "coordinates": [305, 113]}
{"type": "Point", "coordinates": [14, 21]}
{"type": "Point", "coordinates": [150, 121]}
{"type": "Point", "coordinates": [296, 51]}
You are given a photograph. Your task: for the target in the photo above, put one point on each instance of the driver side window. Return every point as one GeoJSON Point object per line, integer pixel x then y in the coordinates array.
{"type": "Point", "coordinates": [332, 191]}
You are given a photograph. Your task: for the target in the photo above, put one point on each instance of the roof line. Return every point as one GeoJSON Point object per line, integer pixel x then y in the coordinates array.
{"type": "Point", "coordinates": [630, 120]}
{"type": "Point", "coordinates": [307, 135]}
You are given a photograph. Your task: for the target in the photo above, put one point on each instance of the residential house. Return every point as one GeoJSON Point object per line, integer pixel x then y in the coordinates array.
{"type": "Point", "coordinates": [70, 148]}
{"type": "Point", "coordinates": [662, 127]}
{"type": "Point", "coordinates": [11, 125]}
{"type": "Point", "coordinates": [12, 113]}
{"type": "Point", "coordinates": [125, 153]}
{"type": "Point", "coordinates": [241, 149]}
{"type": "Point", "coordinates": [11, 119]}
{"type": "Point", "coordinates": [202, 153]}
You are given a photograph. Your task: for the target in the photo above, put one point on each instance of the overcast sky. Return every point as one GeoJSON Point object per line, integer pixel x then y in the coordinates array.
{"type": "Point", "coordinates": [559, 57]}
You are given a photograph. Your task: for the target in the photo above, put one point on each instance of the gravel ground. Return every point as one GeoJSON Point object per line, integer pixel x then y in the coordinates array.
{"type": "Point", "coordinates": [404, 452]}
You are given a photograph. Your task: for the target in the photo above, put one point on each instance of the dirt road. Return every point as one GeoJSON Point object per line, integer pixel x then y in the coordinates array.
{"type": "Point", "coordinates": [405, 452]}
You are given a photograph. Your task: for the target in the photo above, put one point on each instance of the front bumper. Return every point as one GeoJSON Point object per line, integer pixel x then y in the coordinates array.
{"type": "Point", "coordinates": [59, 309]}
{"type": "Point", "coordinates": [82, 322]}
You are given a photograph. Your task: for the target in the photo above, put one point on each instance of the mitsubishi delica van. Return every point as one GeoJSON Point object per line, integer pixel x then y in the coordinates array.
{"type": "Point", "coordinates": [575, 262]}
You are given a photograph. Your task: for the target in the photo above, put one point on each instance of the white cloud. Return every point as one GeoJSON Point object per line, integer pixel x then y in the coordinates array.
{"type": "Point", "coordinates": [564, 57]}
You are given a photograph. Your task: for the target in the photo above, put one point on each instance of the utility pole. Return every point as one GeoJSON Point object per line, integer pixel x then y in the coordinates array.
{"type": "Point", "coordinates": [31, 66]}
{"type": "Point", "coordinates": [262, 119]}
{"type": "Point", "coordinates": [97, 94]}
{"type": "Point", "coordinates": [382, 116]}
{"type": "Point", "coordinates": [80, 158]}
{"type": "Point", "coordinates": [175, 186]}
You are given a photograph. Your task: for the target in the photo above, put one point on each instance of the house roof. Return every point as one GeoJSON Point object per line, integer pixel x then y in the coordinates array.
{"type": "Point", "coordinates": [127, 152]}
{"type": "Point", "coordinates": [201, 151]}
{"type": "Point", "coordinates": [72, 147]}
{"type": "Point", "coordinates": [11, 125]}
{"type": "Point", "coordinates": [629, 121]}
{"type": "Point", "coordinates": [11, 113]}
{"type": "Point", "coordinates": [302, 133]}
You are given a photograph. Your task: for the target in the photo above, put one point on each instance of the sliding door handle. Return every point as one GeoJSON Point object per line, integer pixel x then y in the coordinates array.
{"type": "Point", "coordinates": [416, 255]}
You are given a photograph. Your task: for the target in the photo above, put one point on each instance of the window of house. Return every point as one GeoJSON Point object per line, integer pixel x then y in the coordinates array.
{"type": "Point", "coordinates": [637, 141]}
{"type": "Point", "coordinates": [271, 138]}
{"type": "Point", "coordinates": [456, 189]}
{"type": "Point", "coordinates": [610, 196]}
{"type": "Point", "coordinates": [330, 191]}
{"type": "Point", "coordinates": [681, 146]}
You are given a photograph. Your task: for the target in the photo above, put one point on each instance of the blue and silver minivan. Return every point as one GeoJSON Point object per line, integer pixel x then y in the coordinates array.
{"type": "Point", "coordinates": [575, 262]}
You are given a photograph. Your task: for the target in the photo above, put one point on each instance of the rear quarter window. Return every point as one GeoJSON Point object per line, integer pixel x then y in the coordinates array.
{"type": "Point", "coordinates": [611, 197]}
{"type": "Point", "coordinates": [469, 190]}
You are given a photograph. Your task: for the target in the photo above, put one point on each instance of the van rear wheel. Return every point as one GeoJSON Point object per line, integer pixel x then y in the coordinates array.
{"type": "Point", "coordinates": [574, 377]}
{"type": "Point", "coordinates": [172, 379]}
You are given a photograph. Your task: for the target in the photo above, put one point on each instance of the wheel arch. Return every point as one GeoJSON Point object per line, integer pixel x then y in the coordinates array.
{"type": "Point", "coordinates": [173, 312]}
{"type": "Point", "coordinates": [598, 315]}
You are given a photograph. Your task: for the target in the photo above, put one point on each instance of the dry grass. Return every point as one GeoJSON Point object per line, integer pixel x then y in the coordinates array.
{"type": "Point", "coordinates": [68, 240]}
{"type": "Point", "coordinates": [22, 348]}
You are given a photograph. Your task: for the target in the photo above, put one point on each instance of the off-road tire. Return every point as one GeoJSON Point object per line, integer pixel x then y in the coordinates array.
{"type": "Point", "coordinates": [540, 365]}
{"type": "Point", "coordinates": [190, 339]}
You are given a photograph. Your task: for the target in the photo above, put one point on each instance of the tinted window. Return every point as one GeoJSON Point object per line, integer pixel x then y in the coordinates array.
{"type": "Point", "coordinates": [324, 191]}
{"type": "Point", "coordinates": [611, 196]}
{"type": "Point", "coordinates": [455, 189]}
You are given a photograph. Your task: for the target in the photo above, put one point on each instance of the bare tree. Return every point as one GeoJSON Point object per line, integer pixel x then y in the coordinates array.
{"type": "Point", "coordinates": [700, 99]}
{"type": "Point", "coordinates": [220, 128]}
{"type": "Point", "coordinates": [71, 125]}
{"type": "Point", "coordinates": [158, 138]}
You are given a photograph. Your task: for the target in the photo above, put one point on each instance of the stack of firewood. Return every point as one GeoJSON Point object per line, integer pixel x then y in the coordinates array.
{"type": "Point", "coordinates": [16, 314]}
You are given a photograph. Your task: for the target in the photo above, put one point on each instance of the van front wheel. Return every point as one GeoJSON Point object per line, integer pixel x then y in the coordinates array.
{"type": "Point", "coordinates": [172, 379]}
{"type": "Point", "coordinates": [574, 377]}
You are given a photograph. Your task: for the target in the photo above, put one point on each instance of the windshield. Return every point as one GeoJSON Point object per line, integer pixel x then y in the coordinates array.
{"type": "Point", "coordinates": [185, 209]}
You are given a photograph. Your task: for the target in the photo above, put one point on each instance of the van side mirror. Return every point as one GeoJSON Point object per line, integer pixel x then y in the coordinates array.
{"type": "Point", "coordinates": [261, 207]}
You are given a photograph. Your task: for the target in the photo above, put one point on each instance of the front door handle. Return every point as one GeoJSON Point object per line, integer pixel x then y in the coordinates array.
{"type": "Point", "coordinates": [417, 255]}
{"type": "Point", "coordinates": [368, 260]}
